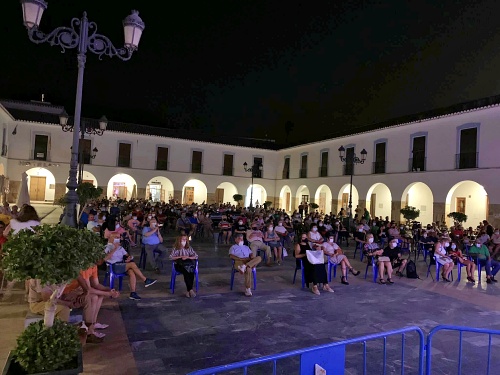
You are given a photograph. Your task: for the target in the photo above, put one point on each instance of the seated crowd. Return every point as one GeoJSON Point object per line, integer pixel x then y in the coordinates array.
{"type": "Point", "coordinates": [258, 235]}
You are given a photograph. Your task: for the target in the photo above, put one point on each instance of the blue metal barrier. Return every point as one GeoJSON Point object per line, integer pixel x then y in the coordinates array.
{"type": "Point", "coordinates": [329, 356]}
{"type": "Point", "coordinates": [460, 331]}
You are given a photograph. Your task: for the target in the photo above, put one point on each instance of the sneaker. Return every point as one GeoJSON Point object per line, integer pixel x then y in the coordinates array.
{"type": "Point", "coordinates": [242, 268]}
{"type": "Point", "coordinates": [101, 326]}
{"type": "Point", "coordinates": [248, 292]}
{"type": "Point", "coordinates": [135, 296]}
{"type": "Point", "coordinates": [149, 282]}
{"type": "Point", "coordinates": [93, 339]}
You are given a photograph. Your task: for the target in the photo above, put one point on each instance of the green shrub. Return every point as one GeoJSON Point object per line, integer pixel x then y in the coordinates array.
{"type": "Point", "coordinates": [42, 349]}
{"type": "Point", "coordinates": [458, 217]}
{"type": "Point", "coordinates": [313, 206]}
{"type": "Point", "coordinates": [410, 213]}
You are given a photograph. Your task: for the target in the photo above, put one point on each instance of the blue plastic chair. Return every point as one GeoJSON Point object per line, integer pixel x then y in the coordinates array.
{"type": "Point", "coordinates": [373, 263]}
{"type": "Point", "coordinates": [301, 268]}
{"type": "Point", "coordinates": [175, 273]}
{"type": "Point", "coordinates": [144, 257]}
{"type": "Point", "coordinates": [111, 276]}
{"type": "Point", "coordinates": [359, 246]}
{"type": "Point", "coordinates": [330, 266]}
{"type": "Point", "coordinates": [438, 267]}
{"type": "Point", "coordinates": [234, 270]}
{"type": "Point", "coordinates": [422, 249]}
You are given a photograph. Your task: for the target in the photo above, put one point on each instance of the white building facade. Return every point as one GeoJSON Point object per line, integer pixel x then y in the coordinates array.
{"type": "Point", "coordinates": [438, 164]}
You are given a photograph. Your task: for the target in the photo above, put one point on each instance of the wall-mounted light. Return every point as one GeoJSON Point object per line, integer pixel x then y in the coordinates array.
{"type": "Point", "coordinates": [14, 132]}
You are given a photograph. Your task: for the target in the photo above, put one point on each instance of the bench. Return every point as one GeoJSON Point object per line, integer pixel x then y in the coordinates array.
{"type": "Point", "coordinates": [74, 318]}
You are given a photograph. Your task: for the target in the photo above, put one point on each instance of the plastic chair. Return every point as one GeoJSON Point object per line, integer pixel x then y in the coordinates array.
{"type": "Point", "coordinates": [299, 266]}
{"type": "Point", "coordinates": [359, 246]}
{"type": "Point", "coordinates": [330, 266]}
{"type": "Point", "coordinates": [438, 267]}
{"type": "Point", "coordinates": [374, 269]}
{"type": "Point", "coordinates": [422, 249]}
{"type": "Point", "coordinates": [111, 275]}
{"type": "Point", "coordinates": [459, 270]}
{"type": "Point", "coordinates": [234, 270]}
{"type": "Point", "coordinates": [144, 256]}
{"type": "Point", "coordinates": [175, 273]}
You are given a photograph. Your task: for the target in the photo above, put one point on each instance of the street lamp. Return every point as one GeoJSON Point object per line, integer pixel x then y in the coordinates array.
{"type": "Point", "coordinates": [83, 36]}
{"type": "Point", "coordinates": [254, 168]}
{"type": "Point", "coordinates": [350, 161]}
{"type": "Point", "coordinates": [90, 129]}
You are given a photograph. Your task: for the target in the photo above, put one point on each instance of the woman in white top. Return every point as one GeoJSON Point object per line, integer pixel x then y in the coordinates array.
{"type": "Point", "coordinates": [441, 256]}
{"type": "Point", "coordinates": [337, 257]}
{"type": "Point", "coordinates": [27, 219]}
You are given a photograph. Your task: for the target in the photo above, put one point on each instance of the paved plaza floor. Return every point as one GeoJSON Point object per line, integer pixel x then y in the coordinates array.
{"type": "Point", "coordinates": [168, 333]}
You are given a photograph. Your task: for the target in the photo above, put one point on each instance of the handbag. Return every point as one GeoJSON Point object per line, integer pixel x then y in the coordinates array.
{"type": "Point", "coordinates": [119, 267]}
{"type": "Point", "coordinates": [188, 264]}
{"type": "Point", "coordinates": [315, 256]}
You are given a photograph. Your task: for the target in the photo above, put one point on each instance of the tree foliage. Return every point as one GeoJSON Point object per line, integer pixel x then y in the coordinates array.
{"type": "Point", "coordinates": [410, 213]}
{"type": "Point", "coordinates": [458, 217]}
{"type": "Point", "coordinates": [54, 254]}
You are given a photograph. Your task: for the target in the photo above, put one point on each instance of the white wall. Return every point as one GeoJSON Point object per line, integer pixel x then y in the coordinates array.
{"type": "Point", "coordinates": [383, 200]}
{"type": "Point", "coordinates": [475, 202]}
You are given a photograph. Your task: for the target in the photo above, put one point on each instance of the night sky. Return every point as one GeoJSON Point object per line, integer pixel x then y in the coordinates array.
{"type": "Point", "coordinates": [248, 67]}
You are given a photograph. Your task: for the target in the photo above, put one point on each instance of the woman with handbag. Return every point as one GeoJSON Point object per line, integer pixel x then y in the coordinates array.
{"type": "Point", "coordinates": [313, 263]}
{"type": "Point", "coordinates": [185, 262]}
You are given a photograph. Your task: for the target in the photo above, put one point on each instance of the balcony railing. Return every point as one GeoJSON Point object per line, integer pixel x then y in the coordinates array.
{"type": "Point", "coordinates": [466, 160]}
{"type": "Point", "coordinates": [378, 167]}
{"type": "Point", "coordinates": [124, 162]}
{"type": "Point", "coordinates": [226, 171]}
{"type": "Point", "coordinates": [196, 168]}
{"type": "Point", "coordinates": [348, 169]}
{"type": "Point", "coordinates": [162, 165]}
{"type": "Point", "coordinates": [323, 171]}
{"type": "Point", "coordinates": [303, 173]}
{"type": "Point", "coordinates": [417, 164]}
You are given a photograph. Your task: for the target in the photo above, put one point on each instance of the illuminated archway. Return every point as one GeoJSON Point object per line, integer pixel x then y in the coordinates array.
{"type": "Point", "coordinates": [303, 194]}
{"type": "Point", "coordinates": [159, 188]}
{"type": "Point", "coordinates": [419, 195]}
{"type": "Point", "coordinates": [343, 198]}
{"type": "Point", "coordinates": [224, 193]}
{"type": "Point", "coordinates": [470, 198]}
{"type": "Point", "coordinates": [285, 198]}
{"type": "Point", "coordinates": [194, 191]}
{"type": "Point", "coordinates": [87, 177]}
{"type": "Point", "coordinates": [123, 186]}
{"type": "Point", "coordinates": [41, 184]}
{"type": "Point", "coordinates": [323, 198]}
{"type": "Point", "coordinates": [379, 200]}
{"type": "Point", "coordinates": [259, 195]}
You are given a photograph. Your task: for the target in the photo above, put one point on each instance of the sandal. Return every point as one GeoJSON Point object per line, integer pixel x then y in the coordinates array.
{"type": "Point", "coordinates": [343, 280]}
{"type": "Point", "coordinates": [327, 288]}
{"type": "Point", "coordinates": [315, 290]}
{"type": "Point", "coordinates": [389, 280]}
{"type": "Point", "coordinates": [354, 272]}
{"type": "Point", "coordinates": [382, 281]}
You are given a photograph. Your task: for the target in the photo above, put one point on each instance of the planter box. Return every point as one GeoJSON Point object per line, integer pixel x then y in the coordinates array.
{"type": "Point", "coordinates": [13, 368]}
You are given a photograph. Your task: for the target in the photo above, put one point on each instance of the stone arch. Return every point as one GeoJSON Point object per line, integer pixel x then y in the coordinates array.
{"type": "Point", "coordinates": [122, 185]}
{"type": "Point", "coordinates": [323, 198]}
{"type": "Point", "coordinates": [159, 188]}
{"type": "Point", "coordinates": [343, 198]}
{"type": "Point", "coordinates": [194, 191]}
{"type": "Point", "coordinates": [470, 198]}
{"type": "Point", "coordinates": [418, 195]}
{"type": "Point", "coordinates": [259, 195]}
{"type": "Point", "coordinates": [379, 200]}
{"type": "Point", "coordinates": [285, 201]}
{"type": "Point", "coordinates": [41, 185]}
{"type": "Point", "coordinates": [224, 193]}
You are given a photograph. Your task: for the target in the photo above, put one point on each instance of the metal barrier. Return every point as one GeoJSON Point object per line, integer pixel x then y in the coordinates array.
{"type": "Point", "coordinates": [331, 356]}
{"type": "Point", "coordinates": [460, 331]}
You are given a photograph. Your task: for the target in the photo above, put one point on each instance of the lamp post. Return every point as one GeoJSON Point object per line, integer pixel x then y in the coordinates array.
{"type": "Point", "coordinates": [253, 169]}
{"type": "Point", "coordinates": [351, 160]}
{"type": "Point", "coordinates": [89, 129]}
{"type": "Point", "coordinates": [83, 36]}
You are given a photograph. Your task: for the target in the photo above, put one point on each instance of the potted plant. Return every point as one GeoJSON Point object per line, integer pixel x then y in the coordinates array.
{"type": "Point", "coordinates": [410, 213]}
{"type": "Point", "coordinates": [457, 217]}
{"type": "Point", "coordinates": [55, 255]}
{"type": "Point", "coordinates": [313, 206]}
{"type": "Point", "coordinates": [267, 204]}
{"type": "Point", "coordinates": [238, 198]}
{"type": "Point", "coordinates": [86, 193]}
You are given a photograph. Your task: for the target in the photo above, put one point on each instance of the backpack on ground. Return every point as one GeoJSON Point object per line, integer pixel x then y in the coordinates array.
{"type": "Point", "coordinates": [411, 270]}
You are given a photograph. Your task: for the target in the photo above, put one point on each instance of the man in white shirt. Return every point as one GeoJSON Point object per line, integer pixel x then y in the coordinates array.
{"type": "Point", "coordinates": [244, 261]}
{"type": "Point", "coordinates": [93, 225]}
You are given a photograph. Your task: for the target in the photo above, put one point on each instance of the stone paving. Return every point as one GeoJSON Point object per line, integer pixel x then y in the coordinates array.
{"type": "Point", "coordinates": [168, 333]}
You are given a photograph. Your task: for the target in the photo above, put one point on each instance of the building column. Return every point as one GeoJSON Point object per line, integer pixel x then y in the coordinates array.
{"type": "Point", "coordinates": [14, 188]}
{"type": "Point", "coordinates": [141, 193]}
{"type": "Point", "coordinates": [494, 215]}
{"type": "Point", "coordinates": [439, 212]}
{"type": "Point", "coordinates": [335, 206]}
{"type": "Point", "coordinates": [178, 195]}
{"type": "Point", "coordinates": [396, 207]}
{"type": "Point", "coordinates": [210, 198]}
{"type": "Point", "coordinates": [104, 191]}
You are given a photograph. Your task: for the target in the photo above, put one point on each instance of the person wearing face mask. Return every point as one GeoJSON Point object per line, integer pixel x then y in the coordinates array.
{"type": "Point", "coordinates": [457, 256]}
{"type": "Point", "coordinates": [240, 228]}
{"type": "Point", "coordinates": [153, 243]}
{"type": "Point", "coordinates": [185, 262]}
{"type": "Point", "coordinates": [133, 226]}
{"type": "Point", "coordinates": [256, 241]}
{"type": "Point", "coordinates": [337, 257]}
{"type": "Point", "coordinates": [481, 253]}
{"type": "Point", "coordinates": [117, 254]}
{"type": "Point", "coordinates": [274, 242]}
{"type": "Point", "coordinates": [314, 274]}
{"type": "Point", "coordinates": [441, 257]}
{"type": "Point", "coordinates": [183, 225]}
{"type": "Point", "coordinates": [385, 259]}
{"type": "Point", "coordinates": [314, 237]}
{"type": "Point", "coordinates": [244, 261]}
{"type": "Point", "coordinates": [282, 233]}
